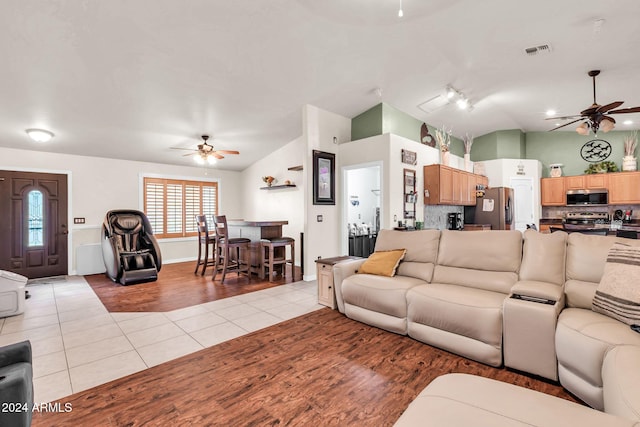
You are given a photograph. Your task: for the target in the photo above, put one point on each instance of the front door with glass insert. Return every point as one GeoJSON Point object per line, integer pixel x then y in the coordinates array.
{"type": "Point", "coordinates": [33, 223]}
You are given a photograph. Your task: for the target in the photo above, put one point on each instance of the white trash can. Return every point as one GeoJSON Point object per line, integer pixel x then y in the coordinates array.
{"type": "Point", "coordinates": [12, 293]}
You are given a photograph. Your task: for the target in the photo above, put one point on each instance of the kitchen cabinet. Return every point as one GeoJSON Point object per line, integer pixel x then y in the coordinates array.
{"type": "Point", "coordinates": [624, 188]}
{"type": "Point", "coordinates": [449, 186]}
{"type": "Point", "coordinates": [552, 191]}
{"type": "Point", "coordinates": [588, 182]}
{"type": "Point", "coordinates": [596, 181]}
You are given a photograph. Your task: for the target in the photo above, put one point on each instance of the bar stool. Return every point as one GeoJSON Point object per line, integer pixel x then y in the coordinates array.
{"type": "Point", "coordinates": [269, 258]}
{"type": "Point", "coordinates": [226, 247]}
{"type": "Point", "coordinates": [204, 240]}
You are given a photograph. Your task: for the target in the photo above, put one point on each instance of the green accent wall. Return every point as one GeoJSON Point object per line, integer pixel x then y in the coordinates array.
{"type": "Point", "coordinates": [384, 118]}
{"type": "Point", "coordinates": [398, 123]}
{"type": "Point", "coordinates": [367, 124]}
{"type": "Point", "coordinates": [485, 147]}
{"type": "Point", "coordinates": [547, 147]}
{"type": "Point", "coordinates": [564, 147]}
{"type": "Point", "coordinates": [502, 144]}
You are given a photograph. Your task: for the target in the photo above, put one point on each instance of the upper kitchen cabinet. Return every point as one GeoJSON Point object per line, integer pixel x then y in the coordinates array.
{"type": "Point", "coordinates": [624, 188]}
{"type": "Point", "coordinates": [552, 191]}
{"type": "Point", "coordinates": [586, 182]}
{"type": "Point", "coordinates": [449, 186]}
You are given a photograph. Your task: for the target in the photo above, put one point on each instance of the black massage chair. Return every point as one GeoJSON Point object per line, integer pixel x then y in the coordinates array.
{"type": "Point", "coordinates": [130, 251]}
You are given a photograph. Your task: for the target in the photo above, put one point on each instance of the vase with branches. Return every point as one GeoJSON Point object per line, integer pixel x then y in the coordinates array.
{"type": "Point", "coordinates": [443, 137]}
{"type": "Point", "coordinates": [468, 142]}
{"type": "Point", "coordinates": [629, 162]}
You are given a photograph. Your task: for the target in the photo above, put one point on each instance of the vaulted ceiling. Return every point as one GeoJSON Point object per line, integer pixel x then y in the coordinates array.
{"type": "Point", "coordinates": [131, 79]}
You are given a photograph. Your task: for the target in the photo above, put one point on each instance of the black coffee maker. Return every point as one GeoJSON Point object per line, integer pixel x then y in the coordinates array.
{"type": "Point", "coordinates": [454, 221]}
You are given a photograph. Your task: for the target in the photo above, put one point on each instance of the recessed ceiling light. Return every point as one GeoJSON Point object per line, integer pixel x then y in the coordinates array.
{"type": "Point", "coordinates": [557, 124]}
{"type": "Point", "coordinates": [550, 113]}
{"type": "Point", "coordinates": [628, 122]}
{"type": "Point", "coordinates": [39, 135]}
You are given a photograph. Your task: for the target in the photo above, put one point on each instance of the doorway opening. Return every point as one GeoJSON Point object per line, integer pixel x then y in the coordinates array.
{"type": "Point", "coordinates": [362, 195]}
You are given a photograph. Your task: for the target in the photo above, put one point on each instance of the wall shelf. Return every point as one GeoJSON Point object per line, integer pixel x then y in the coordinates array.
{"type": "Point", "coordinates": [278, 187]}
{"type": "Point", "coordinates": [295, 168]}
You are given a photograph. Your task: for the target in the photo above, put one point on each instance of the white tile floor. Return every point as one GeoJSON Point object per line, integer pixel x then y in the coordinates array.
{"type": "Point", "coordinates": [77, 344]}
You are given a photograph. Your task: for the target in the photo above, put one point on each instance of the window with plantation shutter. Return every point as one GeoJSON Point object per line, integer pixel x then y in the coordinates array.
{"type": "Point", "coordinates": [171, 205]}
{"type": "Point", "coordinates": [191, 207]}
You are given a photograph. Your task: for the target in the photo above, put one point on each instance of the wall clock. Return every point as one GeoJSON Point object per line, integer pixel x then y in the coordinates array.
{"type": "Point", "coordinates": [595, 150]}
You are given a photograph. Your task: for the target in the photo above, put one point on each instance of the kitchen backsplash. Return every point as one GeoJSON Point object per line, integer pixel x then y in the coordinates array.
{"type": "Point", "coordinates": [436, 216]}
{"type": "Point", "coordinates": [560, 211]}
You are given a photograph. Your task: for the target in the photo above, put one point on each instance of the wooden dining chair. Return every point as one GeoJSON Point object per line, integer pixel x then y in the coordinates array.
{"type": "Point", "coordinates": [233, 253]}
{"type": "Point", "coordinates": [205, 240]}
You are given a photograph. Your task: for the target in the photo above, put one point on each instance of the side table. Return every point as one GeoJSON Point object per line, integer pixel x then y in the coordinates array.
{"type": "Point", "coordinates": [324, 269]}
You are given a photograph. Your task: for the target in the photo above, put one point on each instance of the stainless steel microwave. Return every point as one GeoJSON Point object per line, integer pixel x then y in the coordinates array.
{"type": "Point", "coordinates": [588, 197]}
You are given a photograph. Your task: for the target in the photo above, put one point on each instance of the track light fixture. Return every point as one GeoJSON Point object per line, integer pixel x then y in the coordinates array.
{"type": "Point", "coordinates": [460, 98]}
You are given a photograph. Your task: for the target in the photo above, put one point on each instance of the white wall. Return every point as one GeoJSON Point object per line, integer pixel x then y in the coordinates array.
{"type": "Point", "coordinates": [322, 238]}
{"type": "Point", "coordinates": [97, 185]}
{"type": "Point", "coordinates": [278, 204]}
{"type": "Point", "coordinates": [386, 149]}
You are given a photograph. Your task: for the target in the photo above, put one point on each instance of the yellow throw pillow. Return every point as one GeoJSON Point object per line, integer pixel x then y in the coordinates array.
{"type": "Point", "coordinates": [383, 263]}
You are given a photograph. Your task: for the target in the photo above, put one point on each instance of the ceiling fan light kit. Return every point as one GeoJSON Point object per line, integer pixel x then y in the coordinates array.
{"type": "Point", "coordinates": [205, 153]}
{"type": "Point", "coordinates": [596, 117]}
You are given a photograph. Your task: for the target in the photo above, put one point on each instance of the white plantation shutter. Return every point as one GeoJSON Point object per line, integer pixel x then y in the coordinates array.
{"type": "Point", "coordinates": [191, 207]}
{"type": "Point", "coordinates": [154, 205]}
{"type": "Point", "coordinates": [210, 201]}
{"type": "Point", "coordinates": [171, 205]}
{"type": "Point", "coordinates": [174, 208]}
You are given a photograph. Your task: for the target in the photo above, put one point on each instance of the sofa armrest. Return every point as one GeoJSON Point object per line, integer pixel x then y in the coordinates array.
{"type": "Point", "coordinates": [621, 382]}
{"type": "Point", "coordinates": [15, 353]}
{"type": "Point", "coordinates": [341, 271]}
{"type": "Point", "coordinates": [542, 292]}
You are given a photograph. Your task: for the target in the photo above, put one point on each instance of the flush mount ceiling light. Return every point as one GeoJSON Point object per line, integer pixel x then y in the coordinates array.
{"type": "Point", "coordinates": [39, 135]}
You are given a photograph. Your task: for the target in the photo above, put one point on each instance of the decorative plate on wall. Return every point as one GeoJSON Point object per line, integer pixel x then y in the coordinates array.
{"type": "Point", "coordinates": [595, 150]}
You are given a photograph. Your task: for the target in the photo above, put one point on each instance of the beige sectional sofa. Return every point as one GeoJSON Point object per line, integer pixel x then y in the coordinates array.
{"type": "Point", "coordinates": [503, 297]}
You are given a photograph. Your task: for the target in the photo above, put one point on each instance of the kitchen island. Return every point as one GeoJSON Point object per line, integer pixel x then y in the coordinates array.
{"type": "Point", "coordinates": [255, 230]}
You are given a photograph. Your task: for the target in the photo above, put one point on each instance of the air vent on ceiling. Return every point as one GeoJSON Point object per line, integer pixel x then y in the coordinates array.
{"type": "Point", "coordinates": [434, 103]}
{"type": "Point", "coordinates": [544, 48]}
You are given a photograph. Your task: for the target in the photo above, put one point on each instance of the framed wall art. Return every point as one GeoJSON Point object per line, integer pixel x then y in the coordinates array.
{"type": "Point", "coordinates": [409, 157]}
{"type": "Point", "coordinates": [324, 178]}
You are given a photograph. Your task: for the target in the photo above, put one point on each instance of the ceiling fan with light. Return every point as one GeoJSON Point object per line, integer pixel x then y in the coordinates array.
{"type": "Point", "coordinates": [205, 153]}
{"type": "Point", "coordinates": [596, 116]}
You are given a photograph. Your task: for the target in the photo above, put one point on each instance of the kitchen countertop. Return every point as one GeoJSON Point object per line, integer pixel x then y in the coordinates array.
{"type": "Point", "coordinates": [242, 223]}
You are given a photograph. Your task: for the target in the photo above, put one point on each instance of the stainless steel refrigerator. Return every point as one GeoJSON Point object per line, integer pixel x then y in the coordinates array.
{"type": "Point", "coordinates": [495, 208]}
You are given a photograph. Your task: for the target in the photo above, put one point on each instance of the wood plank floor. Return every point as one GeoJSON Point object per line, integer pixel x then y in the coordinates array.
{"type": "Point", "coordinates": [177, 287]}
{"type": "Point", "coordinates": [320, 369]}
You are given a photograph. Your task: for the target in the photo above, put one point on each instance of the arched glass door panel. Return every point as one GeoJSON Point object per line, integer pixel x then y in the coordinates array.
{"type": "Point", "coordinates": [36, 218]}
